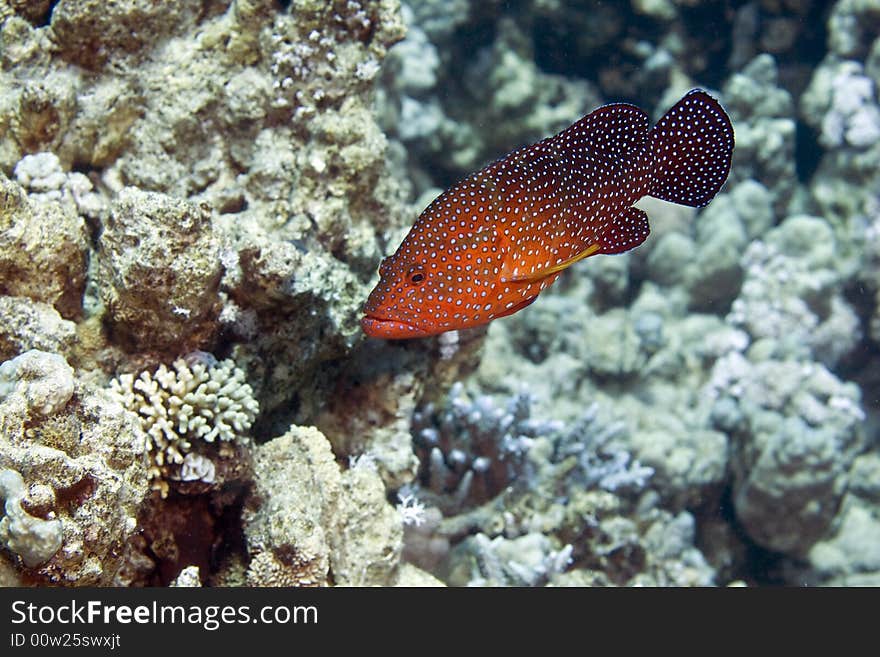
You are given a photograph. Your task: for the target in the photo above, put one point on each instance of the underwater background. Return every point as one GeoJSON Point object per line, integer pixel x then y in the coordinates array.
{"type": "Point", "coordinates": [194, 200]}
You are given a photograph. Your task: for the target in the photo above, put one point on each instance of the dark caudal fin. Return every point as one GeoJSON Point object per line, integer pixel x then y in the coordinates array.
{"type": "Point", "coordinates": [691, 146]}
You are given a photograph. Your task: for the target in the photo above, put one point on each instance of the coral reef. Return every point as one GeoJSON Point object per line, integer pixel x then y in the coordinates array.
{"type": "Point", "coordinates": [187, 177]}
{"type": "Point", "coordinates": [791, 298]}
{"type": "Point", "coordinates": [27, 324]}
{"type": "Point", "coordinates": [796, 430]}
{"type": "Point", "coordinates": [471, 451]}
{"type": "Point", "coordinates": [528, 502]}
{"type": "Point", "coordinates": [35, 540]}
{"type": "Point", "coordinates": [846, 555]}
{"type": "Point", "coordinates": [159, 261]}
{"type": "Point", "coordinates": [43, 250]}
{"type": "Point", "coordinates": [731, 343]}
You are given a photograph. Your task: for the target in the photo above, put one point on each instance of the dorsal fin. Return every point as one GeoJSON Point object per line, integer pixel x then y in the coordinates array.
{"type": "Point", "coordinates": [609, 132]}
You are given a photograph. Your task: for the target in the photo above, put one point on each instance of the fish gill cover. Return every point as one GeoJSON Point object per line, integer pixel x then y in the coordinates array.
{"type": "Point", "coordinates": [197, 197]}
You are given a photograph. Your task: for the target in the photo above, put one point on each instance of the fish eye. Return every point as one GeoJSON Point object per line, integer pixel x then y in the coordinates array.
{"type": "Point", "coordinates": [415, 275]}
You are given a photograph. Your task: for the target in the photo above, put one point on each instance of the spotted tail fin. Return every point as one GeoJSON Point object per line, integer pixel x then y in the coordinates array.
{"type": "Point", "coordinates": [691, 146]}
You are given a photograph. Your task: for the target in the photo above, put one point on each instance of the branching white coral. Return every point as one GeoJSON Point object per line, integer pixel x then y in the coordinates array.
{"type": "Point", "coordinates": [411, 510]}
{"type": "Point", "coordinates": [197, 398]}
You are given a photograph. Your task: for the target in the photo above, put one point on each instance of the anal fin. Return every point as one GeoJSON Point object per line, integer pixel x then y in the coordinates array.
{"type": "Point", "coordinates": [624, 232]}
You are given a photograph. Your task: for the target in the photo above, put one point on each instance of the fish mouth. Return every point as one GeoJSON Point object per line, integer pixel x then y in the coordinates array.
{"type": "Point", "coordinates": [390, 328]}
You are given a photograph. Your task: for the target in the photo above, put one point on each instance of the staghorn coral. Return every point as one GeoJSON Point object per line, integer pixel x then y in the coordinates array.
{"type": "Point", "coordinates": [197, 399]}
{"type": "Point", "coordinates": [517, 483]}
{"type": "Point", "coordinates": [473, 449]}
{"type": "Point", "coordinates": [528, 560]}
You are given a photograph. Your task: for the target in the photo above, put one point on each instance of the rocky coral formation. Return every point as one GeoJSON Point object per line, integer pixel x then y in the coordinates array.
{"type": "Point", "coordinates": [310, 524]}
{"type": "Point", "coordinates": [263, 113]}
{"type": "Point", "coordinates": [846, 555]}
{"type": "Point", "coordinates": [160, 271]}
{"type": "Point", "coordinates": [797, 431]}
{"type": "Point", "coordinates": [27, 324]}
{"type": "Point", "coordinates": [43, 250]}
{"type": "Point", "coordinates": [82, 462]}
{"type": "Point", "coordinates": [34, 539]}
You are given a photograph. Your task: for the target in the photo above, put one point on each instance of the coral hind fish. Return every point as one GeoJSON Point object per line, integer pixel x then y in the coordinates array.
{"type": "Point", "coordinates": [487, 246]}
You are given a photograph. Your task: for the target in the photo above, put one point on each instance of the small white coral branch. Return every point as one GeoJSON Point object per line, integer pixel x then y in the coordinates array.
{"type": "Point", "coordinates": [197, 398]}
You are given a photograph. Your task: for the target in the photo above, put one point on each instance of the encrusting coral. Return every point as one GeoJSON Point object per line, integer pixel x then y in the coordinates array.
{"type": "Point", "coordinates": [82, 465]}
{"type": "Point", "coordinates": [308, 523]}
{"type": "Point", "coordinates": [160, 266]}
{"type": "Point", "coordinates": [34, 539]}
{"type": "Point", "coordinates": [43, 250]}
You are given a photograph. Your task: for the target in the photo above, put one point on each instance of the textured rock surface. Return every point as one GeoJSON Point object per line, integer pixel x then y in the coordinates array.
{"type": "Point", "coordinates": [308, 524]}
{"type": "Point", "coordinates": [82, 461]}
{"type": "Point", "coordinates": [796, 430]}
{"type": "Point", "coordinates": [848, 555]}
{"type": "Point", "coordinates": [34, 539]}
{"type": "Point", "coordinates": [160, 264]}
{"type": "Point", "coordinates": [27, 324]}
{"type": "Point", "coordinates": [43, 250]}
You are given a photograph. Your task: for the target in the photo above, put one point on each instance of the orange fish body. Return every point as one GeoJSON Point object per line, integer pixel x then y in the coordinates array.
{"type": "Point", "coordinates": [487, 246]}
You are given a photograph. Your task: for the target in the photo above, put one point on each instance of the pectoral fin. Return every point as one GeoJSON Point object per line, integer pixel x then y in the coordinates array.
{"type": "Point", "coordinates": [515, 271]}
{"type": "Point", "coordinates": [517, 307]}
